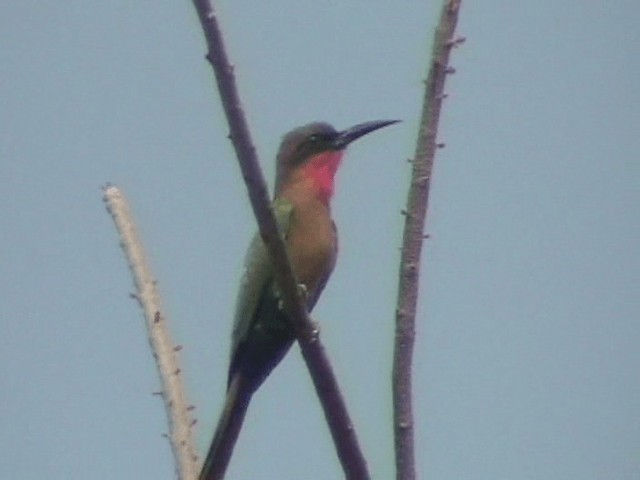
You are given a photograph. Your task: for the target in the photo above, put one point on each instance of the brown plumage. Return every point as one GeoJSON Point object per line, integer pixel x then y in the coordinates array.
{"type": "Point", "coordinates": [307, 161]}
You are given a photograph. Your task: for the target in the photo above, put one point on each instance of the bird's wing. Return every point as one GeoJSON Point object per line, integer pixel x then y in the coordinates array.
{"type": "Point", "coordinates": [256, 276]}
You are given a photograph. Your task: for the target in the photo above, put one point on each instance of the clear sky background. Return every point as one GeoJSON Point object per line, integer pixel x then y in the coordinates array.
{"type": "Point", "coordinates": [527, 353]}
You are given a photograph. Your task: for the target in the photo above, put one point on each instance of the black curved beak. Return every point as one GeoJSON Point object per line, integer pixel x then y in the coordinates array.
{"type": "Point", "coordinates": [347, 136]}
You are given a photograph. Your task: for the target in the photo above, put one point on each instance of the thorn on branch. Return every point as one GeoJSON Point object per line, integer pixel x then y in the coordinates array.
{"type": "Point", "coordinates": [191, 408]}
{"type": "Point", "coordinates": [450, 70]}
{"type": "Point", "coordinates": [455, 42]}
{"type": "Point", "coordinates": [159, 392]}
{"type": "Point", "coordinates": [164, 435]}
{"type": "Point", "coordinates": [422, 180]}
{"type": "Point", "coordinates": [442, 96]}
{"type": "Point", "coordinates": [453, 6]}
{"type": "Point", "coordinates": [156, 317]}
{"type": "Point", "coordinates": [177, 348]}
{"type": "Point", "coordinates": [193, 422]}
{"type": "Point", "coordinates": [441, 145]}
{"type": "Point", "coordinates": [177, 371]}
{"type": "Point", "coordinates": [426, 236]}
{"type": "Point", "coordinates": [411, 268]}
{"type": "Point", "coordinates": [134, 296]}
{"type": "Point", "coordinates": [406, 214]}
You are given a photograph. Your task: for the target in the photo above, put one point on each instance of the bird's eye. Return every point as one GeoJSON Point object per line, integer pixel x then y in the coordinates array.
{"type": "Point", "coordinates": [314, 138]}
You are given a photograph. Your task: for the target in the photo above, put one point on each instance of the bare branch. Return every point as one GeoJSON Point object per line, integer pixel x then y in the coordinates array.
{"type": "Point", "coordinates": [335, 411]}
{"type": "Point", "coordinates": [164, 352]}
{"type": "Point", "coordinates": [414, 236]}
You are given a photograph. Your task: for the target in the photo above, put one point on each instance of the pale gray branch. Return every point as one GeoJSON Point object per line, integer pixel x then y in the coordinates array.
{"type": "Point", "coordinates": [164, 351]}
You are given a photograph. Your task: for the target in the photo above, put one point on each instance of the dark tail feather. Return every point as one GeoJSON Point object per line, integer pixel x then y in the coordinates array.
{"type": "Point", "coordinates": [235, 407]}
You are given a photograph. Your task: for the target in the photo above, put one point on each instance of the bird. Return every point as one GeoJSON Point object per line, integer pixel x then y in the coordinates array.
{"type": "Point", "coordinates": [306, 165]}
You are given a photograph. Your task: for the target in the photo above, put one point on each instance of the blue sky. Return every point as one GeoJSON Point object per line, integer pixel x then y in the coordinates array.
{"type": "Point", "coordinates": [527, 349]}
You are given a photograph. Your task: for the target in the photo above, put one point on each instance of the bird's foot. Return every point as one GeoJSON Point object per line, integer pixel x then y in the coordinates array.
{"type": "Point", "coordinates": [303, 291]}
{"type": "Point", "coordinates": [315, 328]}
{"type": "Point", "coordinates": [311, 331]}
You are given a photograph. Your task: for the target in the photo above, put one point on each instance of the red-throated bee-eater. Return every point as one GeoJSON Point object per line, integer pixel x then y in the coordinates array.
{"type": "Point", "coordinates": [307, 162]}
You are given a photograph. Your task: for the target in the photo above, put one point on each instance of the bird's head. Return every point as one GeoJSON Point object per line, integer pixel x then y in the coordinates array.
{"type": "Point", "coordinates": [313, 153]}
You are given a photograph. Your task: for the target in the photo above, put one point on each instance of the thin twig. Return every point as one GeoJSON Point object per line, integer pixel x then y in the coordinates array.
{"type": "Point", "coordinates": [335, 410]}
{"type": "Point", "coordinates": [413, 238]}
{"type": "Point", "coordinates": [164, 352]}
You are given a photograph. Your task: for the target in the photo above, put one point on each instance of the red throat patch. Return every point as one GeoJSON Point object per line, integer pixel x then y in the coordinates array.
{"type": "Point", "coordinates": [322, 169]}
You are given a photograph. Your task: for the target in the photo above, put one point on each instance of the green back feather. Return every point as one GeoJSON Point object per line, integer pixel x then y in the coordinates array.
{"type": "Point", "coordinates": [257, 275]}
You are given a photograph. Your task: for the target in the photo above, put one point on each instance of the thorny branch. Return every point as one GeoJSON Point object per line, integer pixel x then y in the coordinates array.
{"type": "Point", "coordinates": [326, 385]}
{"type": "Point", "coordinates": [415, 218]}
{"type": "Point", "coordinates": [164, 352]}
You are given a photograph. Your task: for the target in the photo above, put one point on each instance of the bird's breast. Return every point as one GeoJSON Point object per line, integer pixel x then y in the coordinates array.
{"type": "Point", "coordinates": [312, 246]}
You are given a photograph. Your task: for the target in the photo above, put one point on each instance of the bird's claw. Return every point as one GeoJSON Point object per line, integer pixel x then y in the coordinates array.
{"type": "Point", "coordinates": [315, 328]}
{"type": "Point", "coordinates": [303, 291]}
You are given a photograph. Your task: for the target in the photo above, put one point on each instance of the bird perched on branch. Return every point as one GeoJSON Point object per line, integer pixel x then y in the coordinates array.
{"type": "Point", "coordinates": [307, 162]}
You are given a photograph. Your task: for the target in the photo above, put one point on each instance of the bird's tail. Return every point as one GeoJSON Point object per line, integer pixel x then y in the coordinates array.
{"type": "Point", "coordinates": [224, 439]}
